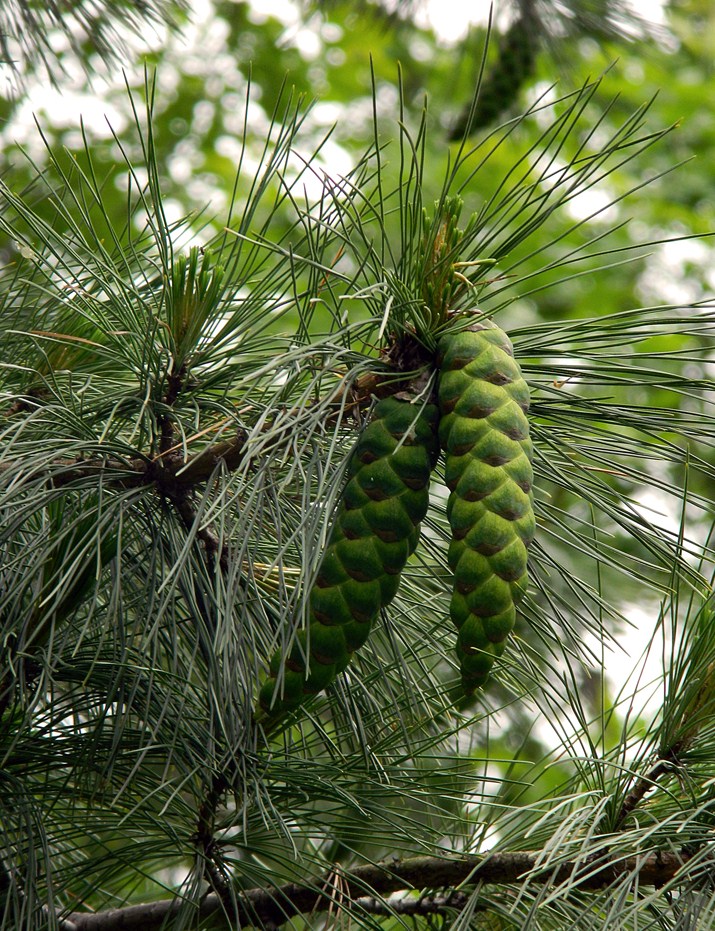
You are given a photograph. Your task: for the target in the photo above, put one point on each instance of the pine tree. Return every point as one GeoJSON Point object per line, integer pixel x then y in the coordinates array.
{"type": "Point", "coordinates": [187, 416]}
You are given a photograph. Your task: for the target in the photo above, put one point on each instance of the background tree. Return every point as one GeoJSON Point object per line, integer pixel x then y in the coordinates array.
{"type": "Point", "coordinates": [200, 307]}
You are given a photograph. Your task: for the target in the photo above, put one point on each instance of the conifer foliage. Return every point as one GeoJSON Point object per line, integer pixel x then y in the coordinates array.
{"type": "Point", "coordinates": [255, 470]}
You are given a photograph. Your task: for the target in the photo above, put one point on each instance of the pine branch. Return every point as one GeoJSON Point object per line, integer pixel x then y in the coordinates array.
{"type": "Point", "coordinates": [647, 782]}
{"type": "Point", "coordinates": [424, 905]}
{"type": "Point", "coordinates": [276, 906]}
{"type": "Point", "coordinates": [170, 472]}
{"type": "Point", "coordinates": [187, 513]}
{"type": "Point", "coordinates": [690, 696]}
{"type": "Point", "coordinates": [165, 471]}
{"type": "Point", "coordinates": [175, 384]}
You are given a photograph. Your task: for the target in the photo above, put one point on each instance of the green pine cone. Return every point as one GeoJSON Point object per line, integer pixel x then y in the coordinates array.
{"type": "Point", "coordinates": [376, 529]}
{"type": "Point", "coordinates": [484, 432]}
{"type": "Point", "coordinates": [501, 85]}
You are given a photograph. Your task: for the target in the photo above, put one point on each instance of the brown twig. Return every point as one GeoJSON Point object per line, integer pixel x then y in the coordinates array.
{"type": "Point", "coordinates": [20, 406]}
{"type": "Point", "coordinates": [205, 840]}
{"type": "Point", "coordinates": [175, 382]}
{"type": "Point", "coordinates": [132, 473]}
{"type": "Point", "coordinates": [180, 497]}
{"type": "Point", "coordinates": [644, 784]}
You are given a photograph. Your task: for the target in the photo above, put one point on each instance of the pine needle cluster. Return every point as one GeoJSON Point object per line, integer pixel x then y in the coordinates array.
{"type": "Point", "coordinates": [175, 421]}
